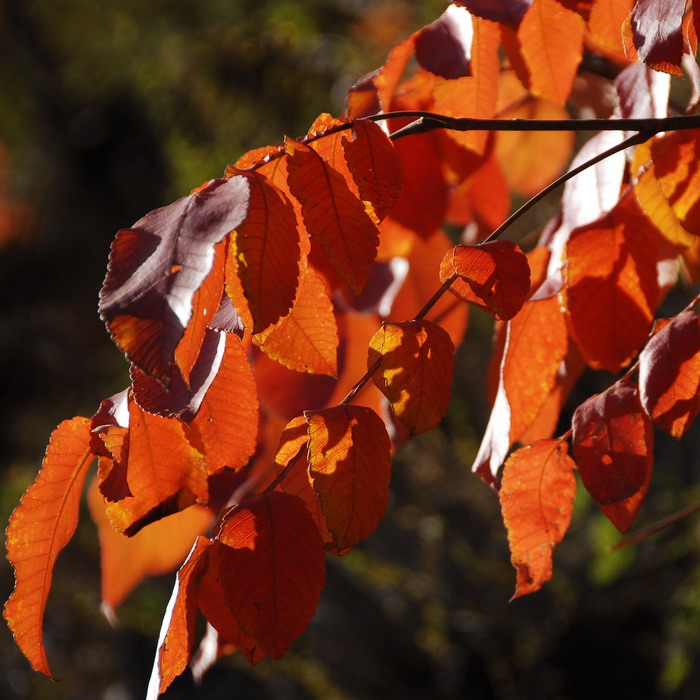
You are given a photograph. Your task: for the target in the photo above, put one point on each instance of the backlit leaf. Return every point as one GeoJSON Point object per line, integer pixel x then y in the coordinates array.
{"type": "Point", "coordinates": [537, 499]}
{"type": "Point", "coordinates": [165, 473]}
{"type": "Point", "coordinates": [227, 421]}
{"type": "Point", "coordinates": [306, 340]}
{"type": "Point", "coordinates": [156, 267]}
{"type": "Point", "coordinates": [157, 549]}
{"type": "Point", "coordinates": [350, 464]}
{"type": "Point", "coordinates": [669, 374]}
{"type": "Point", "coordinates": [509, 12]}
{"type": "Point", "coordinates": [612, 288]}
{"type": "Point", "coordinates": [40, 527]}
{"type": "Point", "coordinates": [415, 371]}
{"type": "Point", "coordinates": [265, 252]}
{"type": "Point", "coordinates": [551, 43]}
{"type": "Point", "coordinates": [178, 630]}
{"type": "Point", "coordinates": [495, 276]}
{"type": "Point", "coordinates": [333, 216]}
{"type": "Point", "coordinates": [372, 159]}
{"type": "Point", "coordinates": [272, 568]}
{"type": "Point", "coordinates": [613, 443]}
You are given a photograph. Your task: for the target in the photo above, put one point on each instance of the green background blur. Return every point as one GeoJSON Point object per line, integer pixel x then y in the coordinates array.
{"type": "Point", "coordinates": [110, 109]}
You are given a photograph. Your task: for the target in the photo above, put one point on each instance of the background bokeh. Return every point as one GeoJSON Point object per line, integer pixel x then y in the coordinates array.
{"type": "Point", "coordinates": [108, 110]}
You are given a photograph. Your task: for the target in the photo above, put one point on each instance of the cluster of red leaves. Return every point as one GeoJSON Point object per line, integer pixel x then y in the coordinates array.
{"type": "Point", "coordinates": [249, 313]}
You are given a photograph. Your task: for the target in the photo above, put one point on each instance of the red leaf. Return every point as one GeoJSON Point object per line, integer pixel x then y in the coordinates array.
{"type": "Point", "coordinates": [509, 12]}
{"type": "Point", "coordinates": [227, 421]}
{"type": "Point", "coordinates": [165, 473]}
{"type": "Point", "coordinates": [156, 267]}
{"type": "Point", "coordinates": [657, 33]}
{"type": "Point", "coordinates": [374, 165]}
{"type": "Point", "coordinates": [350, 464]}
{"type": "Point", "coordinates": [444, 47]}
{"type": "Point", "coordinates": [333, 216]}
{"type": "Point", "coordinates": [551, 43]}
{"type": "Point", "coordinates": [212, 602]}
{"type": "Point", "coordinates": [612, 285]}
{"type": "Point", "coordinates": [272, 568]}
{"type": "Point", "coordinates": [613, 443]}
{"type": "Point", "coordinates": [537, 500]}
{"type": "Point", "coordinates": [265, 254]}
{"type": "Point", "coordinates": [178, 629]}
{"type": "Point", "coordinates": [40, 527]}
{"type": "Point", "coordinates": [415, 371]}
{"type": "Point", "coordinates": [307, 339]}
{"type": "Point", "coordinates": [495, 276]}
{"type": "Point", "coordinates": [669, 374]}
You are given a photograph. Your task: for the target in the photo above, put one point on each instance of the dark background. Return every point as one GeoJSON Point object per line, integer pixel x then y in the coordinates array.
{"type": "Point", "coordinates": [108, 110]}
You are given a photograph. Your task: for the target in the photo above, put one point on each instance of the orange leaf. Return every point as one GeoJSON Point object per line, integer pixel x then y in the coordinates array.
{"type": "Point", "coordinates": [605, 24]}
{"type": "Point", "coordinates": [374, 165]}
{"type": "Point", "coordinates": [551, 43]}
{"type": "Point", "coordinates": [306, 340]}
{"type": "Point", "coordinates": [537, 500]}
{"type": "Point", "coordinates": [265, 254]}
{"type": "Point", "coordinates": [415, 371]}
{"type": "Point", "coordinates": [157, 549]}
{"type": "Point", "coordinates": [623, 513]}
{"type": "Point", "coordinates": [333, 216]}
{"type": "Point", "coordinates": [495, 276]}
{"type": "Point", "coordinates": [530, 159]}
{"type": "Point", "coordinates": [40, 527]}
{"type": "Point", "coordinates": [178, 629]}
{"type": "Point", "coordinates": [612, 288]}
{"type": "Point", "coordinates": [476, 95]}
{"type": "Point", "coordinates": [227, 421]}
{"type": "Point", "coordinates": [669, 374]}
{"type": "Point", "coordinates": [350, 464]}
{"type": "Point", "coordinates": [613, 443]}
{"type": "Point", "coordinates": [297, 481]}
{"type": "Point", "coordinates": [272, 568]}
{"type": "Point", "coordinates": [675, 157]}
{"type": "Point", "coordinates": [165, 473]}
{"type": "Point", "coordinates": [205, 304]}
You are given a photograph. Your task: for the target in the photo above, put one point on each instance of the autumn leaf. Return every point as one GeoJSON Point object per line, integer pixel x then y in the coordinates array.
{"type": "Point", "coordinates": [495, 276]}
{"type": "Point", "coordinates": [657, 34]}
{"type": "Point", "coordinates": [444, 47]}
{"type": "Point", "coordinates": [226, 424]}
{"type": "Point", "coordinates": [333, 216]}
{"type": "Point", "coordinates": [165, 473]}
{"type": "Point", "coordinates": [156, 267]}
{"type": "Point", "coordinates": [613, 443]}
{"type": "Point", "coordinates": [374, 165]}
{"type": "Point", "coordinates": [350, 464]}
{"type": "Point", "coordinates": [40, 527]}
{"type": "Point", "coordinates": [306, 340]}
{"type": "Point", "coordinates": [551, 43]}
{"type": "Point", "coordinates": [537, 499]}
{"type": "Point", "coordinates": [158, 548]}
{"type": "Point", "coordinates": [416, 359]}
{"type": "Point", "coordinates": [508, 12]}
{"type": "Point", "coordinates": [612, 285]}
{"type": "Point", "coordinates": [265, 253]}
{"type": "Point", "coordinates": [272, 568]}
{"type": "Point", "coordinates": [178, 630]}
{"type": "Point", "coordinates": [669, 374]}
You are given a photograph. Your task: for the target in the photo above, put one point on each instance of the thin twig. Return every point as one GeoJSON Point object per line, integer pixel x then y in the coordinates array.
{"type": "Point", "coordinates": [656, 527]}
{"type": "Point", "coordinates": [633, 140]}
